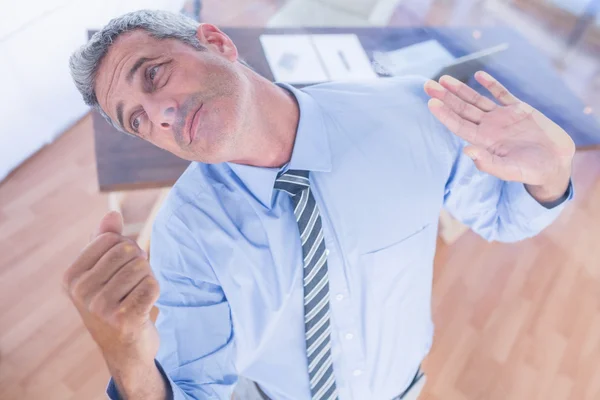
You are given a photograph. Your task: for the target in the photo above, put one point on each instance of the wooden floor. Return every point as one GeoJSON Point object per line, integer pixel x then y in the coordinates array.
{"type": "Point", "coordinates": [513, 321]}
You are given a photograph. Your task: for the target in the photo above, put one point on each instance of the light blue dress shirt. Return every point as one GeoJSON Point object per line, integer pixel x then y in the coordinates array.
{"type": "Point", "coordinates": [226, 251]}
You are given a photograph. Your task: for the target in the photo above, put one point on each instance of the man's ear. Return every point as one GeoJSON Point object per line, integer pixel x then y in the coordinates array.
{"type": "Point", "coordinates": [215, 40]}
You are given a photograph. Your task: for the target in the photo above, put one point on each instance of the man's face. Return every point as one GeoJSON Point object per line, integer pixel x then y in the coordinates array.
{"type": "Point", "coordinates": [184, 100]}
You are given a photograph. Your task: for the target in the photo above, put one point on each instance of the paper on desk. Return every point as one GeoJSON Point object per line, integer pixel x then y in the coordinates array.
{"type": "Point", "coordinates": [343, 57]}
{"type": "Point", "coordinates": [425, 58]}
{"type": "Point", "coordinates": [293, 58]}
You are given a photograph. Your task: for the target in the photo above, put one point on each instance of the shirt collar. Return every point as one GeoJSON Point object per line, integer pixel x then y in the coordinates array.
{"type": "Point", "coordinates": [311, 150]}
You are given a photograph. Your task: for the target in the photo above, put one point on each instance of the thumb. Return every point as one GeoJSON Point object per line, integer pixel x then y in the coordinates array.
{"type": "Point", "coordinates": [500, 167]}
{"type": "Point", "coordinates": [111, 222]}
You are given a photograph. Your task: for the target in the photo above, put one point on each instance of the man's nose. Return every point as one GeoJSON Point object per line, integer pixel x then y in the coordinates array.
{"type": "Point", "coordinates": [163, 114]}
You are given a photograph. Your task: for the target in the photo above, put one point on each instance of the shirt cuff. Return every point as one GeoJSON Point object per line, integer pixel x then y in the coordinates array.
{"type": "Point", "coordinates": [113, 393]}
{"type": "Point", "coordinates": [525, 204]}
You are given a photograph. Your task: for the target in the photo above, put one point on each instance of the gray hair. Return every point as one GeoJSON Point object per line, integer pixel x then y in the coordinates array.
{"type": "Point", "coordinates": [85, 61]}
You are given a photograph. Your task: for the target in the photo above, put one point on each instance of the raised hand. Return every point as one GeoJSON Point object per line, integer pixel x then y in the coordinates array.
{"type": "Point", "coordinates": [511, 140]}
{"type": "Point", "coordinates": [113, 288]}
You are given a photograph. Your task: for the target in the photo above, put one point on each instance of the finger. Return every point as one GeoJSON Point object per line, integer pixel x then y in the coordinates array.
{"type": "Point", "coordinates": [89, 256]}
{"type": "Point", "coordinates": [89, 284]}
{"type": "Point", "coordinates": [120, 285]}
{"type": "Point", "coordinates": [111, 222]}
{"type": "Point", "coordinates": [459, 126]}
{"type": "Point", "coordinates": [467, 94]}
{"type": "Point", "coordinates": [459, 106]}
{"type": "Point", "coordinates": [496, 88]}
{"type": "Point", "coordinates": [141, 299]}
{"type": "Point", "coordinates": [492, 164]}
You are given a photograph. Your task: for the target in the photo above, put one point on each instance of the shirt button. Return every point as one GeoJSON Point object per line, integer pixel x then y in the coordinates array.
{"type": "Point", "coordinates": [339, 297]}
{"type": "Point", "coordinates": [357, 372]}
{"type": "Point", "coordinates": [349, 336]}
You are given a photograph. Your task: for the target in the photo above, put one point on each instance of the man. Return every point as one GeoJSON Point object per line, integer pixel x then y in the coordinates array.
{"type": "Point", "coordinates": [296, 250]}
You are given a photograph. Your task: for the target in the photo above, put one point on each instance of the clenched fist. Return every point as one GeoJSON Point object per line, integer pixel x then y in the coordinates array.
{"type": "Point", "coordinates": [113, 288]}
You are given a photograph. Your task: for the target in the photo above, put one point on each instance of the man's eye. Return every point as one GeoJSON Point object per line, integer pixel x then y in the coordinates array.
{"type": "Point", "coordinates": [152, 73]}
{"type": "Point", "coordinates": [135, 124]}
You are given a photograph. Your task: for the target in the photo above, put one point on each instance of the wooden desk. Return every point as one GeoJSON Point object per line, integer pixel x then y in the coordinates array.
{"type": "Point", "coordinates": [126, 163]}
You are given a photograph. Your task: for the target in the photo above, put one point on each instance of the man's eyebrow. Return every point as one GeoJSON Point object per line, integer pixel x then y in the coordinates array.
{"type": "Point", "coordinates": [120, 114]}
{"type": "Point", "coordinates": [137, 66]}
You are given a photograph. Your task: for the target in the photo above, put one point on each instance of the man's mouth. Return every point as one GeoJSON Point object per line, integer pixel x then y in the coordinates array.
{"type": "Point", "coordinates": [194, 125]}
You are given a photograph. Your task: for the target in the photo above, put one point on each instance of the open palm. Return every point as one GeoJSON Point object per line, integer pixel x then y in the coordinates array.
{"type": "Point", "coordinates": [511, 140]}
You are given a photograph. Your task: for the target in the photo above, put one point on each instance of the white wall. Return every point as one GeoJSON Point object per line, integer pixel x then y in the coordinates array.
{"type": "Point", "coordinates": [38, 100]}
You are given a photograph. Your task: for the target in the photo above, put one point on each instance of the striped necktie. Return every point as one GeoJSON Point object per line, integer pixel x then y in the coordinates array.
{"type": "Point", "coordinates": [316, 284]}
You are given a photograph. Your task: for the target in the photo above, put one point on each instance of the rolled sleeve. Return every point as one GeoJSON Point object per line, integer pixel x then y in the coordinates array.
{"type": "Point", "coordinates": [113, 393]}
{"type": "Point", "coordinates": [520, 201]}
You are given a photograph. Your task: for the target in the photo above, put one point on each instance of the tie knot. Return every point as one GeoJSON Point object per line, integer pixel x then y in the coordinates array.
{"type": "Point", "coordinates": [293, 181]}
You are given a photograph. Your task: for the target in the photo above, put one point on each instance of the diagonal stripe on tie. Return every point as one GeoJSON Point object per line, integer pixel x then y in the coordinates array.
{"type": "Point", "coordinates": [314, 268]}
{"type": "Point", "coordinates": [316, 309]}
{"type": "Point", "coordinates": [315, 331]}
{"type": "Point", "coordinates": [299, 180]}
{"type": "Point", "coordinates": [319, 356]}
{"type": "Point", "coordinates": [310, 212]}
{"type": "Point", "coordinates": [310, 248]}
{"type": "Point", "coordinates": [323, 313]}
{"type": "Point", "coordinates": [331, 393]}
{"type": "Point", "coordinates": [319, 290]}
{"type": "Point", "coordinates": [316, 284]}
{"type": "Point", "coordinates": [318, 373]}
{"type": "Point", "coordinates": [323, 384]}
{"type": "Point", "coordinates": [322, 335]}
{"type": "Point", "coordinates": [315, 236]}
{"type": "Point", "coordinates": [309, 225]}
{"type": "Point", "coordinates": [301, 205]}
